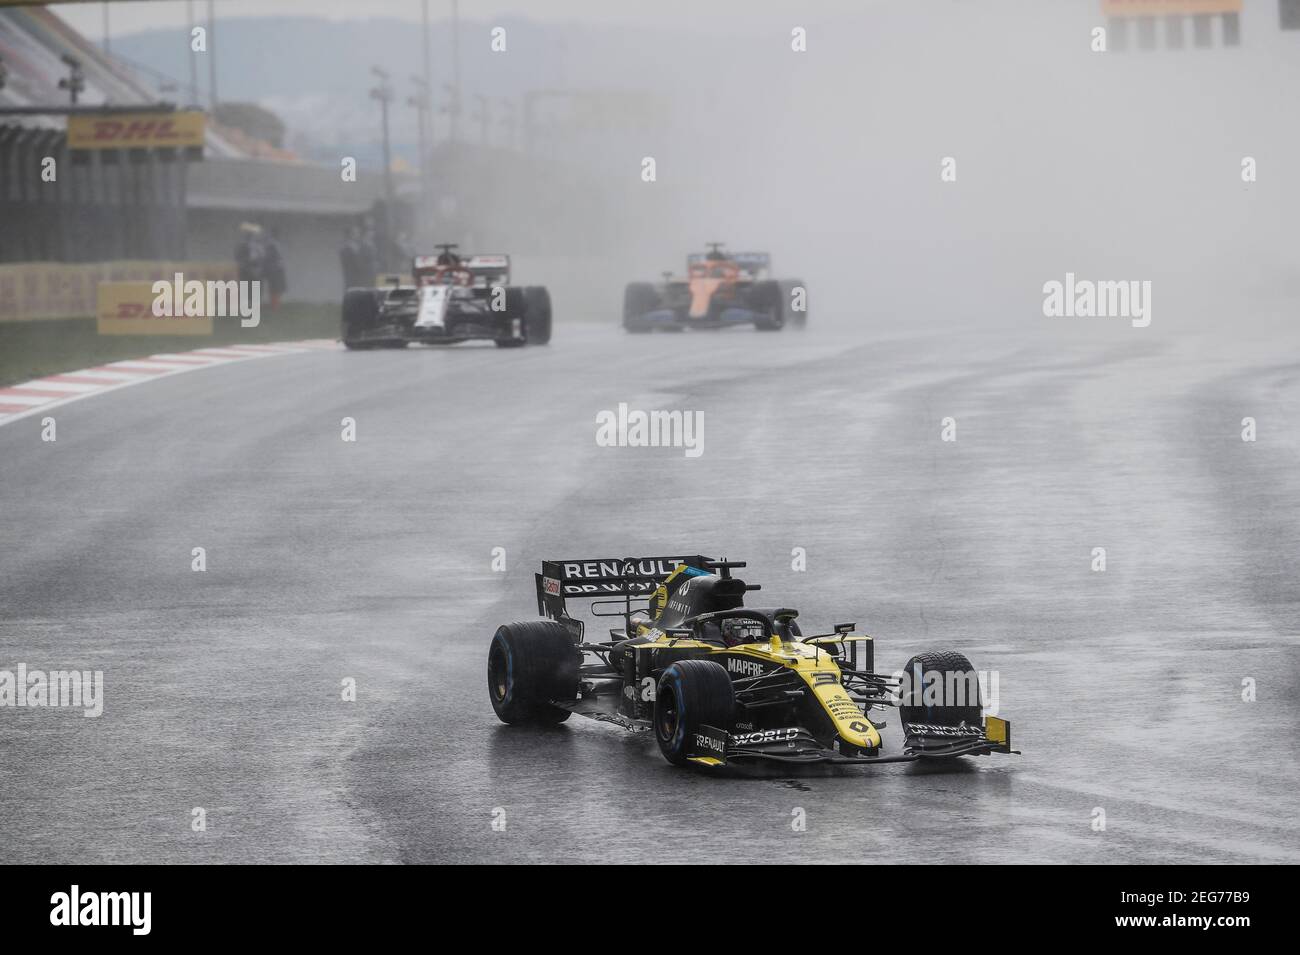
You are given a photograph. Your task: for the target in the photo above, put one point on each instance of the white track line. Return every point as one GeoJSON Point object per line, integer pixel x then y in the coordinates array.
{"type": "Point", "coordinates": [44, 394]}
{"type": "Point", "coordinates": [11, 399]}
{"type": "Point", "coordinates": [97, 373]}
{"type": "Point", "coordinates": [187, 359]}
{"type": "Point", "coordinates": [144, 365]}
{"type": "Point", "coordinates": [44, 384]}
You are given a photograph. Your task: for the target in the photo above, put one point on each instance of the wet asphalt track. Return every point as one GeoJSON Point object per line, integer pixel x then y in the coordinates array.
{"type": "Point", "coordinates": [371, 560]}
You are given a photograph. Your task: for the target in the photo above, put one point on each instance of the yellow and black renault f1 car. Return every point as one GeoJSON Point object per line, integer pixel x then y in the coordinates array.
{"type": "Point", "coordinates": [720, 290]}
{"type": "Point", "coordinates": [722, 684]}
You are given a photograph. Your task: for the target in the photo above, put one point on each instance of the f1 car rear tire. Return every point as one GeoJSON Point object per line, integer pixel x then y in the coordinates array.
{"type": "Point", "coordinates": [530, 664]}
{"type": "Point", "coordinates": [691, 694]}
{"type": "Point", "coordinates": [537, 315]}
{"type": "Point", "coordinates": [947, 679]}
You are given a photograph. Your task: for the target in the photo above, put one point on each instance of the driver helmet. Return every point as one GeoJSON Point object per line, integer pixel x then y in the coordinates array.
{"type": "Point", "coordinates": [742, 630]}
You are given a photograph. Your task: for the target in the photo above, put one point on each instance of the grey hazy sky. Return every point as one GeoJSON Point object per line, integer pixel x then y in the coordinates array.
{"type": "Point", "coordinates": [1117, 166]}
{"type": "Point", "coordinates": [129, 17]}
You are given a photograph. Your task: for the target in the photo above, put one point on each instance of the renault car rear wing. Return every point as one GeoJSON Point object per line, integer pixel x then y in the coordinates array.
{"type": "Point", "coordinates": [605, 577]}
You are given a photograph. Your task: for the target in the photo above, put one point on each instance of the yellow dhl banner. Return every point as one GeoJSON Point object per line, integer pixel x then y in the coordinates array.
{"type": "Point", "coordinates": [135, 130]}
{"type": "Point", "coordinates": [126, 308]}
{"type": "Point", "coordinates": [1168, 8]}
{"type": "Point", "coordinates": [41, 290]}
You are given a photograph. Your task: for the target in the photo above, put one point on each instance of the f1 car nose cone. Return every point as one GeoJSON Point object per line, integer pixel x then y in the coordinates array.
{"type": "Point", "coordinates": [701, 295]}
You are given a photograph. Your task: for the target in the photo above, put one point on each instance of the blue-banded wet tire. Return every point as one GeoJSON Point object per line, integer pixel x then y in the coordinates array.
{"type": "Point", "coordinates": [531, 665]}
{"type": "Point", "coordinates": [691, 694]}
{"type": "Point", "coordinates": [638, 299]}
{"type": "Point", "coordinates": [360, 313]}
{"type": "Point", "coordinates": [946, 679]}
{"type": "Point", "coordinates": [537, 315]}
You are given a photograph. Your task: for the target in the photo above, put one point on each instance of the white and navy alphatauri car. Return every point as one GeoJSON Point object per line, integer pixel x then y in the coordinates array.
{"type": "Point", "coordinates": [451, 299]}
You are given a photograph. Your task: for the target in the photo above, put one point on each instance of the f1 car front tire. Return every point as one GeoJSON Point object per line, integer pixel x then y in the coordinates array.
{"type": "Point", "coordinates": [769, 303]}
{"type": "Point", "coordinates": [530, 664]}
{"type": "Point", "coordinates": [691, 694]}
{"type": "Point", "coordinates": [942, 689]}
{"type": "Point", "coordinates": [360, 312]}
{"type": "Point", "coordinates": [638, 299]}
{"type": "Point", "coordinates": [537, 315]}
{"type": "Point", "coordinates": [516, 310]}
{"type": "Point", "coordinates": [797, 317]}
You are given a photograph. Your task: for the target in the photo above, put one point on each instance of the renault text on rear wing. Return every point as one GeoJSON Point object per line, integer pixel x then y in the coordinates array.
{"type": "Point", "coordinates": [603, 577]}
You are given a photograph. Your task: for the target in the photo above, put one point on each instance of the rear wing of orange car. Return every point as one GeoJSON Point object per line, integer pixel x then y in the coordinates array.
{"type": "Point", "coordinates": [752, 265]}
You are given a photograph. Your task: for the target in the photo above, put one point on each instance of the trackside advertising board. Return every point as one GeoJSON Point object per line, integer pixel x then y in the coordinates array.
{"type": "Point", "coordinates": [126, 308]}
{"type": "Point", "coordinates": [1168, 8]}
{"type": "Point", "coordinates": [49, 290]}
{"type": "Point", "coordinates": [136, 130]}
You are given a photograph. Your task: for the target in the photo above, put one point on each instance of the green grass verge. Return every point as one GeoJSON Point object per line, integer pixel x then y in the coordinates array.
{"type": "Point", "coordinates": [33, 349]}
